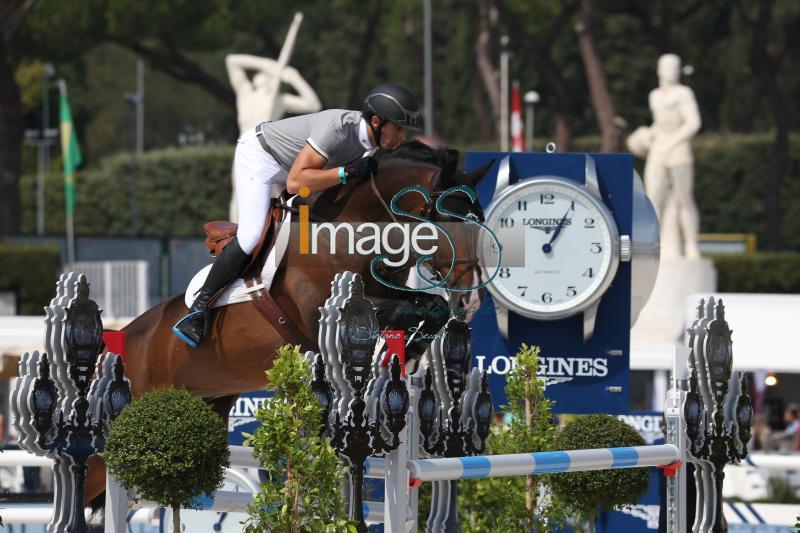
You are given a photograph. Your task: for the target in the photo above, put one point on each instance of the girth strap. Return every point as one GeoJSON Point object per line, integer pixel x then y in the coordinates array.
{"type": "Point", "coordinates": [270, 310]}
{"type": "Point", "coordinates": [263, 300]}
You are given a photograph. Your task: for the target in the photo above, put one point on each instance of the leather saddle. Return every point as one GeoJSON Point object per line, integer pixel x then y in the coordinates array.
{"type": "Point", "coordinates": [220, 232]}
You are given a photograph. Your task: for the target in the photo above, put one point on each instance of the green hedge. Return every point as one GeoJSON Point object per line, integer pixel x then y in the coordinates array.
{"type": "Point", "coordinates": [730, 189]}
{"type": "Point", "coordinates": [179, 189]}
{"type": "Point", "coordinates": [30, 271]}
{"type": "Point", "coordinates": [764, 273]}
{"type": "Point", "coordinates": [729, 184]}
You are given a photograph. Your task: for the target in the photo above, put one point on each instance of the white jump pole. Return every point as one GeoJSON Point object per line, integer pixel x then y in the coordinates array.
{"type": "Point", "coordinates": [526, 464]}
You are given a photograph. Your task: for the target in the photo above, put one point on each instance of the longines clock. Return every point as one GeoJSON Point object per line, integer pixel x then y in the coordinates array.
{"type": "Point", "coordinates": [579, 257]}
{"type": "Point", "coordinates": [571, 248]}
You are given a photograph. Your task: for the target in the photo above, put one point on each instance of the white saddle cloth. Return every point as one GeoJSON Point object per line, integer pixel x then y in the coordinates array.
{"type": "Point", "coordinates": [237, 291]}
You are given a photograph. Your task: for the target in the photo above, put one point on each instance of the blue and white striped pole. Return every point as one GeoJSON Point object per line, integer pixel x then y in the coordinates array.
{"type": "Point", "coordinates": [526, 464]}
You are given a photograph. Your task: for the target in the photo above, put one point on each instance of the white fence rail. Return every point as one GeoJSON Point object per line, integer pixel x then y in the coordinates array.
{"type": "Point", "coordinates": [118, 287]}
{"type": "Point", "coordinates": [739, 514]}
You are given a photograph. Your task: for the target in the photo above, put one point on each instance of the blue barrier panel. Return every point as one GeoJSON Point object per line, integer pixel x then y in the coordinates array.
{"type": "Point", "coordinates": [242, 416]}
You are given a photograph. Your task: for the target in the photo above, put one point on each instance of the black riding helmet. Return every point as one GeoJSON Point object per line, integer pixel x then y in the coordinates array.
{"type": "Point", "coordinates": [393, 103]}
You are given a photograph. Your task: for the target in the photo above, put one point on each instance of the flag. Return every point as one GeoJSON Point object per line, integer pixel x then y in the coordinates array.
{"type": "Point", "coordinates": [70, 151]}
{"type": "Point", "coordinates": [517, 139]}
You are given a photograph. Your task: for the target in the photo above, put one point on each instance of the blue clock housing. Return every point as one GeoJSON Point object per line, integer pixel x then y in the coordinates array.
{"type": "Point", "coordinates": [590, 377]}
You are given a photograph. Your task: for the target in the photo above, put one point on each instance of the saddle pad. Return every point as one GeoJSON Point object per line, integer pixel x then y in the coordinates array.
{"type": "Point", "coordinates": [237, 292]}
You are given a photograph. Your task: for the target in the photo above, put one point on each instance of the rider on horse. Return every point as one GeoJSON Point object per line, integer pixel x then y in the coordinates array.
{"type": "Point", "coordinates": [315, 151]}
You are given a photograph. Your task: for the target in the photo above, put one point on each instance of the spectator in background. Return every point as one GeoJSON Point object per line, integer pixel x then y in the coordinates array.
{"type": "Point", "coordinates": [792, 418]}
{"type": "Point", "coordinates": [761, 432]}
{"type": "Point", "coordinates": [789, 438]}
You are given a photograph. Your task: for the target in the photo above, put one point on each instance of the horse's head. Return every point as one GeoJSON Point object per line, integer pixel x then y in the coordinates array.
{"type": "Point", "coordinates": [459, 211]}
{"type": "Point", "coordinates": [416, 183]}
{"type": "Point", "coordinates": [453, 205]}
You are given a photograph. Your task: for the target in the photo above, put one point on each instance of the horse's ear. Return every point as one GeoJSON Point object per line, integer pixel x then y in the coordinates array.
{"type": "Point", "coordinates": [473, 177]}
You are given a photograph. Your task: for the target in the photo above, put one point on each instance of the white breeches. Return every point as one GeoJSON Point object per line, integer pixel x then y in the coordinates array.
{"type": "Point", "coordinates": [255, 172]}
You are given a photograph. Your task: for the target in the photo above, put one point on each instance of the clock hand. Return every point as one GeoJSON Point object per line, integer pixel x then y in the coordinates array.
{"type": "Point", "coordinates": [547, 248]}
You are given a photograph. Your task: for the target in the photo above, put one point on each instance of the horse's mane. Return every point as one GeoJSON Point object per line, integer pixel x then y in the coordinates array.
{"type": "Point", "coordinates": [411, 153]}
{"type": "Point", "coordinates": [447, 160]}
{"type": "Point", "coordinates": [419, 152]}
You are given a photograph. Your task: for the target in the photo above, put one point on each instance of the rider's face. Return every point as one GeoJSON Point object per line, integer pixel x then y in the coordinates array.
{"type": "Point", "coordinates": [392, 136]}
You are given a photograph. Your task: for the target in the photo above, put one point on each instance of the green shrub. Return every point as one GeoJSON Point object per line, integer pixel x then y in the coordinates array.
{"type": "Point", "coordinates": [178, 190]}
{"type": "Point", "coordinates": [171, 446]}
{"type": "Point", "coordinates": [729, 183]}
{"type": "Point", "coordinates": [30, 271]}
{"type": "Point", "coordinates": [584, 492]}
{"type": "Point", "coordinates": [764, 273]}
{"type": "Point", "coordinates": [730, 189]}
{"type": "Point", "coordinates": [515, 503]}
{"type": "Point", "coordinates": [304, 477]}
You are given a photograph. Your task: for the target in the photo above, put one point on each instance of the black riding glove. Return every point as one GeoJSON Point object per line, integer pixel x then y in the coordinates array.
{"type": "Point", "coordinates": [361, 168]}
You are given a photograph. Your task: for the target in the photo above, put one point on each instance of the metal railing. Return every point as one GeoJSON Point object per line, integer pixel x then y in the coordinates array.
{"type": "Point", "coordinates": [119, 287]}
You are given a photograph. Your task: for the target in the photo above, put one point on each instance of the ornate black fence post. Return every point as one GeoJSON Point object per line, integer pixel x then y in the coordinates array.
{"type": "Point", "coordinates": [463, 407]}
{"type": "Point", "coordinates": [369, 403]}
{"type": "Point", "coordinates": [717, 411]}
{"type": "Point", "coordinates": [63, 402]}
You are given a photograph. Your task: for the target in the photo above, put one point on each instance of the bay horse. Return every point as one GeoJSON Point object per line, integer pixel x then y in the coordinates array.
{"type": "Point", "coordinates": [241, 343]}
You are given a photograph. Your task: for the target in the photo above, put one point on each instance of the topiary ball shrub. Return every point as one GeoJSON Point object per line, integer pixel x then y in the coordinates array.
{"type": "Point", "coordinates": [169, 445]}
{"type": "Point", "coordinates": [584, 492]}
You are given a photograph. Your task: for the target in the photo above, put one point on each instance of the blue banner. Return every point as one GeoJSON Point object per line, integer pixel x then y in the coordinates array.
{"type": "Point", "coordinates": [242, 416]}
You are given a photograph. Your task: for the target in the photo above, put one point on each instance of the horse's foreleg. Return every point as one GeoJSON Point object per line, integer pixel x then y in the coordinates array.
{"type": "Point", "coordinates": [222, 405]}
{"type": "Point", "coordinates": [95, 479]}
{"type": "Point", "coordinates": [406, 313]}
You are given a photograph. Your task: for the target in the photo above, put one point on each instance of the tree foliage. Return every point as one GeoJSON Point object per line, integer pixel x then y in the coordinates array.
{"type": "Point", "coordinates": [745, 66]}
{"type": "Point", "coordinates": [585, 492]}
{"type": "Point", "coordinates": [304, 476]}
{"type": "Point", "coordinates": [516, 503]}
{"type": "Point", "coordinates": [24, 268]}
{"type": "Point", "coordinates": [169, 445]}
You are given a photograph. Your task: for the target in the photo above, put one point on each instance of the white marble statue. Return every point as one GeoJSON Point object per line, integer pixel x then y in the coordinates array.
{"type": "Point", "coordinates": [669, 180]}
{"type": "Point", "coordinates": [669, 170]}
{"type": "Point", "coordinates": [260, 99]}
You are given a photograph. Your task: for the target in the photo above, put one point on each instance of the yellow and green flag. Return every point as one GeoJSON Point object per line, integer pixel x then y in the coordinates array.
{"type": "Point", "coordinates": [70, 151]}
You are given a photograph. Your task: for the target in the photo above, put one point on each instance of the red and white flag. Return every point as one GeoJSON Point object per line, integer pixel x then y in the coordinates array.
{"type": "Point", "coordinates": [517, 133]}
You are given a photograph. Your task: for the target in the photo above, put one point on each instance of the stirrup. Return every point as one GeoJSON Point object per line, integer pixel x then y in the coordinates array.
{"type": "Point", "coordinates": [181, 335]}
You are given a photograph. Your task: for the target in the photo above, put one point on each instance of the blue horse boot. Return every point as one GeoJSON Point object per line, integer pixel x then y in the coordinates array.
{"type": "Point", "coordinates": [193, 328]}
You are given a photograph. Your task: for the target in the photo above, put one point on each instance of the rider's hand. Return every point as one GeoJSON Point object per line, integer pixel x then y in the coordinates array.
{"type": "Point", "coordinates": [361, 168]}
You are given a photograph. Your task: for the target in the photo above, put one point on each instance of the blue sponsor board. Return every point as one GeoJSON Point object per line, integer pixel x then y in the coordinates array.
{"type": "Point", "coordinates": [589, 377]}
{"type": "Point", "coordinates": [242, 416]}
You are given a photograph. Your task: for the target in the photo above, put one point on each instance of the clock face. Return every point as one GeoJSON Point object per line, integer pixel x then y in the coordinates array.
{"type": "Point", "coordinates": [560, 248]}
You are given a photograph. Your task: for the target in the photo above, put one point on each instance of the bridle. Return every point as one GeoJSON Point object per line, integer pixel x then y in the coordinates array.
{"type": "Point", "coordinates": [429, 212]}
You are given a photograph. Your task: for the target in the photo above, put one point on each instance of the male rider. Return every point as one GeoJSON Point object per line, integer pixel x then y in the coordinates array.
{"type": "Point", "coordinates": [317, 151]}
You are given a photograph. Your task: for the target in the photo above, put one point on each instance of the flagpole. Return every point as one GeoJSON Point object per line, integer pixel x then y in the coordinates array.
{"type": "Point", "coordinates": [62, 87]}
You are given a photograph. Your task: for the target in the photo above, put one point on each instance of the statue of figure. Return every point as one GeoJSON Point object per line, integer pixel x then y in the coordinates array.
{"type": "Point", "coordinates": [260, 99]}
{"type": "Point", "coordinates": [669, 172]}
{"type": "Point", "coordinates": [257, 100]}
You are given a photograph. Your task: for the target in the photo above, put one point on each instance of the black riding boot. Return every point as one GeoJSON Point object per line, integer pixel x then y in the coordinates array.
{"type": "Point", "coordinates": [193, 327]}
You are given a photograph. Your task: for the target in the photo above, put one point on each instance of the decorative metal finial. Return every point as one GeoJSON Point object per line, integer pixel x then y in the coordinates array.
{"type": "Point", "coordinates": [717, 415]}
{"type": "Point", "coordinates": [64, 402]}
